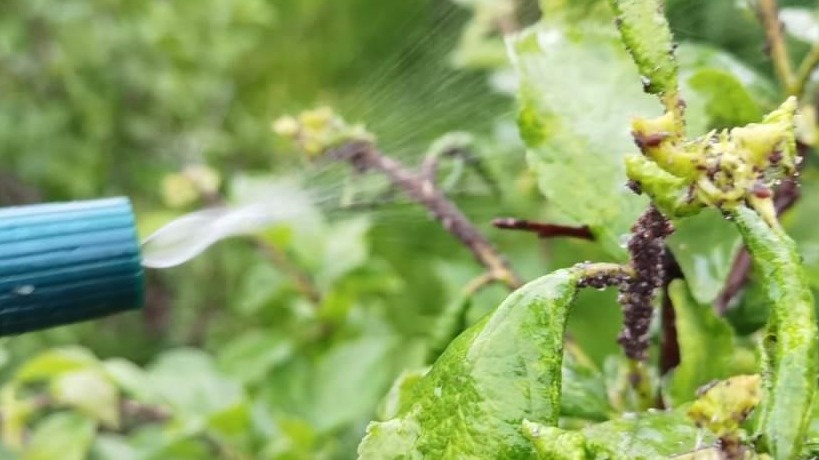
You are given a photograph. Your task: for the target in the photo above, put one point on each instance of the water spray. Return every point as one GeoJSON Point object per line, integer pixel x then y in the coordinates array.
{"type": "Point", "coordinates": [70, 262]}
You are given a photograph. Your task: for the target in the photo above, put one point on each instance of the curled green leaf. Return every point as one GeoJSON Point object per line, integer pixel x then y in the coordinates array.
{"type": "Point", "coordinates": [790, 347]}
{"type": "Point", "coordinates": [504, 369]}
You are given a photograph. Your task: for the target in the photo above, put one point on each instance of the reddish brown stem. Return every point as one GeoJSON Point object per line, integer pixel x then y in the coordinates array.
{"type": "Point", "coordinates": [543, 230]}
{"type": "Point", "coordinates": [737, 278]}
{"type": "Point", "coordinates": [669, 347]}
{"type": "Point", "coordinates": [364, 156]}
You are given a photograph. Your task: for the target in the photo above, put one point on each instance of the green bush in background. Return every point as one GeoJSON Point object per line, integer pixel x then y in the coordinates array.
{"type": "Point", "coordinates": [232, 357]}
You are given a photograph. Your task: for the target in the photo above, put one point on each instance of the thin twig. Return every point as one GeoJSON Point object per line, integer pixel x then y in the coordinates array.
{"type": "Point", "coordinates": [543, 231]}
{"type": "Point", "coordinates": [806, 69]}
{"type": "Point", "coordinates": [736, 280]}
{"type": "Point", "coordinates": [478, 283]}
{"type": "Point", "coordinates": [302, 281]}
{"type": "Point", "coordinates": [669, 346]}
{"type": "Point", "coordinates": [768, 13]}
{"type": "Point", "coordinates": [364, 156]}
{"type": "Point", "coordinates": [601, 275]}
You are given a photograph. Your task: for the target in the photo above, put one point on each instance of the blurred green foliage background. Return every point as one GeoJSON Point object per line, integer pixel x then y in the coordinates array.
{"type": "Point", "coordinates": [108, 97]}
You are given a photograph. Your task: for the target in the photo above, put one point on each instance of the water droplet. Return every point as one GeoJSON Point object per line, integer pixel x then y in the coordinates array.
{"type": "Point", "coordinates": [24, 290]}
{"type": "Point", "coordinates": [624, 239]}
{"type": "Point", "coordinates": [645, 81]}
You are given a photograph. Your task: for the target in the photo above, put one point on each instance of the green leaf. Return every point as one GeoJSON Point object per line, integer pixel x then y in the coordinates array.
{"type": "Point", "coordinates": [706, 346]}
{"type": "Point", "coordinates": [650, 435]}
{"type": "Point", "coordinates": [188, 380]}
{"type": "Point", "coordinates": [449, 324]}
{"type": "Point", "coordinates": [504, 369]}
{"type": "Point", "coordinates": [350, 379]}
{"type": "Point", "coordinates": [130, 378]}
{"type": "Point", "coordinates": [258, 288]}
{"type": "Point", "coordinates": [7, 454]}
{"type": "Point", "coordinates": [552, 443]}
{"type": "Point", "coordinates": [64, 435]}
{"type": "Point", "coordinates": [728, 103]}
{"type": "Point", "coordinates": [788, 355]}
{"type": "Point", "coordinates": [346, 250]}
{"type": "Point", "coordinates": [55, 362]}
{"type": "Point", "coordinates": [647, 36]}
{"type": "Point", "coordinates": [399, 398]}
{"type": "Point", "coordinates": [646, 435]}
{"type": "Point", "coordinates": [752, 308]}
{"type": "Point", "coordinates": [810, 449]}
{"type": "Point", "coordinates": [705, 246]}
{"type": "Point", "coordinates": [694, 57]}
{"type": "Point", "coordinates": [575, 121]}
{"type": "Point", "coordinates": [112, 447]}
{"type": "Point", "coordinates": [91, 392]}
{"type": "Point", "coordinates": [584, 394]}
{"type": "Point", "coordinates": [251, 356]}
{"type": "Point", "coordinates": [232, 425]}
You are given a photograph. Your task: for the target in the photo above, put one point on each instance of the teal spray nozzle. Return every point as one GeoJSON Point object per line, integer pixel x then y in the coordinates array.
{"type": "Point", "coordinates": [67, 262]}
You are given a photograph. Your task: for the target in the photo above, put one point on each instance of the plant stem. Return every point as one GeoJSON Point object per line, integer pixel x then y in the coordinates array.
{"type": "Point", "coordinates": [544, 230]}
{"type": "Point", "coordinates": [669, 346]}
{"type": "Point", "coordinates": [604, 274]}
{"type": "Point", "coordinates": [640, 382]}
{"type": "Point", "coordinates": [647, 250]}
{"type": "Point", "coordinates": [806, 69]}
{"type": "Point", "coordinates": [303, 281]}
{"type": "Point", "coordinates": [768, 13]}
{"type": "Point", "coordinates": [364, 156]}
{"type": "Point", "coordinates": [478, 283]}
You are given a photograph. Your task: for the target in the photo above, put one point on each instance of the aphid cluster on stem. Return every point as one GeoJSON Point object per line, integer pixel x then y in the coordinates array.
{"type": "Point", "coordinates": [647, 250]}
